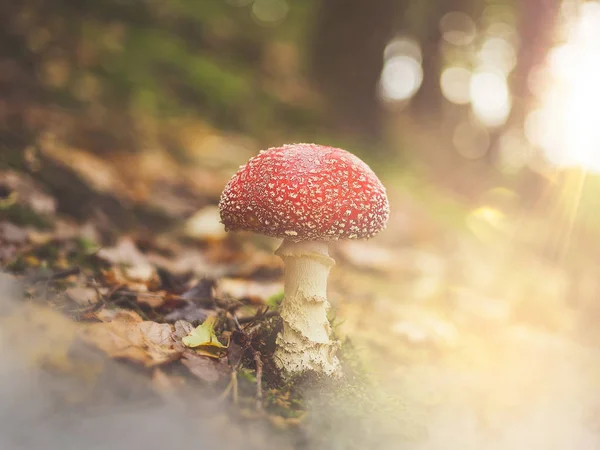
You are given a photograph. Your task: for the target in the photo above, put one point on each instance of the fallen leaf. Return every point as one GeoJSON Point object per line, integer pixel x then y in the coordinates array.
{"type": "Point", "coordinates": [116, 277]}
{"type": "Point", "coordinates": [128, 336]}
{"type": "Point", "coordinates": [260, 265]}
{"type": "Point", "coordinates": [153, 300]}
{"type": "Point", "coordinates": [248, 290]}
{"type": "Point", "coordinates": [100, 173]}
{"type": "Point", "coordinates": [188, 260]}
{"type": "Point", "coordinates": [27, 193]}
{"type": "Point", "coordinates": [203, 335]}
{"type": "Point", "coordinates": [204, 341]}
{"type": "Point", "coordinates": [202, 291]}
{"type": "Point", "coordinates": [108, 315]}
{"type": "Point", "coordinates": [157, 333]}
{"type": "Point", "coordinates": [189, 313]}
{"type": "Point", "coordinates": [234, 353]}
{"type": "Point", "coordinates": [205, 368]}
{"type": "Point", "coordinates": [83, 296]}
{"type": "Point", "coordinates": [41, 335]}
{"type": "Point", "coordinates": [12, 233]}
{"type": "Point", "coordinates": [205, 225]}
{"type": "Point", "coordinates": [125, 253]}
{"type": "Point", "coordinates": [182, 329]}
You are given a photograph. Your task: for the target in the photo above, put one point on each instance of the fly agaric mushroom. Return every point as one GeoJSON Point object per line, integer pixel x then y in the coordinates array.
{"type": "Point", "coordinates": [308, 195]}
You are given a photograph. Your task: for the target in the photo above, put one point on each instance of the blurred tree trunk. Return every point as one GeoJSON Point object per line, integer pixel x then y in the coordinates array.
{"type": "Point", "coordinates": [536, 26]}
{"type": "Point", "coordinates": [347, 59]}
{"type": "Point", "coordinates": [428, 99]}
{"type": "Point", "coordinates": [537, 30]}
{"type": "Point", "coordinates": [423, 21]}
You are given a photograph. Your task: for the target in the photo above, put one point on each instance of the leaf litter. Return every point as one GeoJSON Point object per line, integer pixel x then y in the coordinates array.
{"type": "Point", "coordinates": [139, 297]}
{"type": "Point", "coordinates": [158, 301]}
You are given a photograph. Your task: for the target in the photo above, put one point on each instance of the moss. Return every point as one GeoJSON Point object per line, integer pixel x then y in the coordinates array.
{"type": "Point", "coordinates": [86, 245]}
{"type": "Point", "coordinates": [289, 397]}
{"type": "Point", "coordinates": [23, 216]}
{"type": "Point", "coordinates": [18, 265]}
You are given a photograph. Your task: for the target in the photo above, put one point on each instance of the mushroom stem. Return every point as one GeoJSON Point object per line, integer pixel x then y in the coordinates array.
{"type": "Point", "coordinates": [305, 344]}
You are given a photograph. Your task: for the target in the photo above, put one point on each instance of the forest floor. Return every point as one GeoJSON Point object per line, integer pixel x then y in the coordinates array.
{"type": "Point", "coordinates": [453, 335]}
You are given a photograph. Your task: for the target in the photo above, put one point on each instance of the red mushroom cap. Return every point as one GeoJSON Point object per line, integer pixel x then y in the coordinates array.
{"type": "Point", "coordinates": [305, 192]}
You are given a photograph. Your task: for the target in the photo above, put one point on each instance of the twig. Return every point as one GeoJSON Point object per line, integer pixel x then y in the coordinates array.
{"type": "Point", "coordinates": [232, 387]}
{"type": "Point", "coordinates": [227, 390]}
{"type": "Point", "coordinates": [137, 294]}
{"type": "Point", "coordinates": [255, 317]}
{"type": "Point", "coordinates": [236, 321]}
{"type": "Point", "coordinates": [79, 312]}
{"type": "Point", "coordinates": [65, 273]}
{"type": "Point", "coordinates": [217, 302]}
{"type": "Point", "coordinates": [259, 370]}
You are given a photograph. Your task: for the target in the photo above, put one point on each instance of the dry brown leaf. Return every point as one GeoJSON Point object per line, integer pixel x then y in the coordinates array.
{"type": "Point", "coordinates": [188, 260]}
{"type": "Point", "coordinates": [205, 225]}
{"type": "Point", "coordinates": [83, 296]}
{"type": "Point", "coordinates": [27, 192]}
{"type": "Point", "coordinates": [260, 264]}
{"type": "Point", "coordinates": [41, 335]}
{"type": "Point", "coordinates": [108, 315]}
{"type": "Point", "coordinates": [182, 329]}
{"type": "Point", "coordinates": [97, 172]}
{"type": "Point", "coordinates": [127, 336]}
{"type": "Point", "coordinates": [207, 369]}
{"type": "Point", "coordinates": [153, 300]}
{"type": "Point", "coordinates": [189, 313]}
{"type": "Point", "coordinates": [125, 253]}
{"type": "Point", "coordinates": [157, 333]}
{"type": "Point", "coordinates": [13, 234]}
{"type": "Point", "coordinates": [116, 277]}
{"type": "Point", "coordinates": [249, 290]}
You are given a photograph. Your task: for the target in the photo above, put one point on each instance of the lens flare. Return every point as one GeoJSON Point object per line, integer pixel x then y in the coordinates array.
{"type": "Point", "coordinates": [566, 126]}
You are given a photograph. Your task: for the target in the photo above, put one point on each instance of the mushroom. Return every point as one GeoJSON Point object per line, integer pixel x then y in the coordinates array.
{"type": "Point", "coordinates": [308, 195]}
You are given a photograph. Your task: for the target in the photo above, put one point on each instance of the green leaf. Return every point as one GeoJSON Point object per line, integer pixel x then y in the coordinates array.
{"type": "Point", "coordinates": [275, 300]}
{"type": "Point", "coordinates": [203, 335]}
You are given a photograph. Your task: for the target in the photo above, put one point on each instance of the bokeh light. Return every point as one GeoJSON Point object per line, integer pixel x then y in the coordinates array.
{"type": "Point", "coordinates": [402, 73]}
{"type": "Point", "coordinates": [503, 30]}
{"type": "Point", "coordinates": [485, 222]}
{"type": "Point", "coordinates": [496, 14]}
{"type": "Point", "coordinates": [490, 97]}
{"type": "Point", "coordinates": [269, 11]}
{"type": "Point", "coordinates": [565, 126]}
{"type": "Point", "coordinates": [499, 53]}
{"type": "Point", "coordinates": [403, 46]}
{"type": "Point", "coordinates": [458, 28]}
{"type": "Point", "coordinates": [471, 140]}
{"type": "Point", "coordinates": [455, 83]}
{"type": "Point", "coordinates": [239, 3]}
{"type": "Point", "coordinates": [514, 151]}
